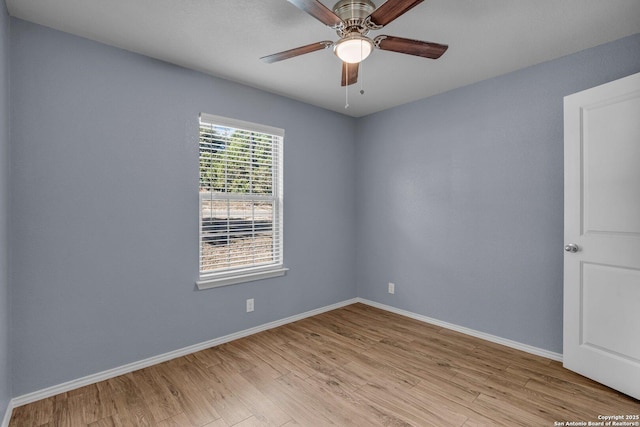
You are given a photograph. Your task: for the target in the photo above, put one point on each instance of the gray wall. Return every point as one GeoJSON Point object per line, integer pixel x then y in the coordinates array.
{"type": "Point", "coordinates": [460, 198]}
{"type": "Point", "coordinates": [5, 380]}
{"type": "Point", "coordinates": [104, 208]}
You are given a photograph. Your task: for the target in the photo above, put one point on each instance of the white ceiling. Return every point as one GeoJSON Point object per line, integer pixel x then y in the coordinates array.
{"type": "Point", "coordinates": [225, 38]}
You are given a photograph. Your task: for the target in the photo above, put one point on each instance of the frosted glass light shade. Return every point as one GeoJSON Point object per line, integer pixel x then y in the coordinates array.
{"type": "Point", "coordinates": [353, 49]}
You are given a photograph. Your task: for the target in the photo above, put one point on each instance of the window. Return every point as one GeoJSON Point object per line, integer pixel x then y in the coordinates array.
{"type": "Point", "coordinates": [240, 201]}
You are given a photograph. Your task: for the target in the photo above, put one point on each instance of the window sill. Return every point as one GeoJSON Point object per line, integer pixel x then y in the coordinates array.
{"type": "Point", "coordinates": [216, 282]}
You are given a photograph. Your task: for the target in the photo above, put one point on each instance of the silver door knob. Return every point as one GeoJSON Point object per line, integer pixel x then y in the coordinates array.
{"type": "Point", "coordinates": [571, 247]}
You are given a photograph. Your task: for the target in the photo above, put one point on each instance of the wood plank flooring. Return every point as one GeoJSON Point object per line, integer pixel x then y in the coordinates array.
{"type": "Point", "coordinates": [355, 366]}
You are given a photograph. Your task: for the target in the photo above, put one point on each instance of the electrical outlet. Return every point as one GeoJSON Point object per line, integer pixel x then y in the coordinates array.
{"type": "Point", "coordinates": [392, 288]}
{"type": "Point", "coordinates": [249, 305]}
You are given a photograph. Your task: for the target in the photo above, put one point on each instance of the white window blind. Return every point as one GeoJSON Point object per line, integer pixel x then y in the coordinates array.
{"type": "Point", "coordinates": [240, 201]}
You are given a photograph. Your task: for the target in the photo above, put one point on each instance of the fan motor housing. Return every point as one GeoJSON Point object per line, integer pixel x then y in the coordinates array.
{"type": "Point", "coordinates": [353, 13]}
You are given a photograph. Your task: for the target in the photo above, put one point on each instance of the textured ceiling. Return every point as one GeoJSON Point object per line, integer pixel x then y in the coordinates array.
{"type": "Point", "coordinates": [225, 38]}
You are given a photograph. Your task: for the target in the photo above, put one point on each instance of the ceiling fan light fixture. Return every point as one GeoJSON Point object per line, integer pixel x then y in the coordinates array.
{"type": "Point", "coordinates": [353, 48]}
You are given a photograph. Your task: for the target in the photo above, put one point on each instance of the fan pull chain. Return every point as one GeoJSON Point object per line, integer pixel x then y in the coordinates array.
{"type": "Point", "coordinates": [346, 86]}
{"type": "Point", "coordinates": [360, 71]}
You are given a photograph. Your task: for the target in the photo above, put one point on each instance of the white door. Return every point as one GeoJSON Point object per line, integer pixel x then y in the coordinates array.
{"type": "Point", "coordinates": [602, 234]}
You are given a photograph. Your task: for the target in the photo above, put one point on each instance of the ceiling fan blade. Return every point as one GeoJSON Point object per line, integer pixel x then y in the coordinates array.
{"type": "Point", "coordinates": [390, 10]}
{"type": "Point", "coordinates": [349, 74]}
{"type": "Point", "coordinates": [297, 51]}
{"type": "Point", "coordinates": [318, 11]}
{"type": "Point", "coordinates": [410, 47]}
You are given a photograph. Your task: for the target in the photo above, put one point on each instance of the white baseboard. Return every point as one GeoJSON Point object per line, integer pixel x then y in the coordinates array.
{"type": "Point", "coordinates": [125, 369]}
{"type": "Point", "coordinates": [482, 335]}
{"type": "Point", "coordinates": [7, 415]}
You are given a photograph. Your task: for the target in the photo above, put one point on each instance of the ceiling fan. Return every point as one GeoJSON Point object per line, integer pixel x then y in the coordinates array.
{"type": "Point", "coordinates": [352, 20]}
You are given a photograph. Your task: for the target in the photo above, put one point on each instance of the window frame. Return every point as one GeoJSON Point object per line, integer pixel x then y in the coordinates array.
{"type": "Point", "coordinates": [247, 273]}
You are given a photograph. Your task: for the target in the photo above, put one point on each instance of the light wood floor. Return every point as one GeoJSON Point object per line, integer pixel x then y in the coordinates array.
{"type": "Point", "coordinates": [355, 366]}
